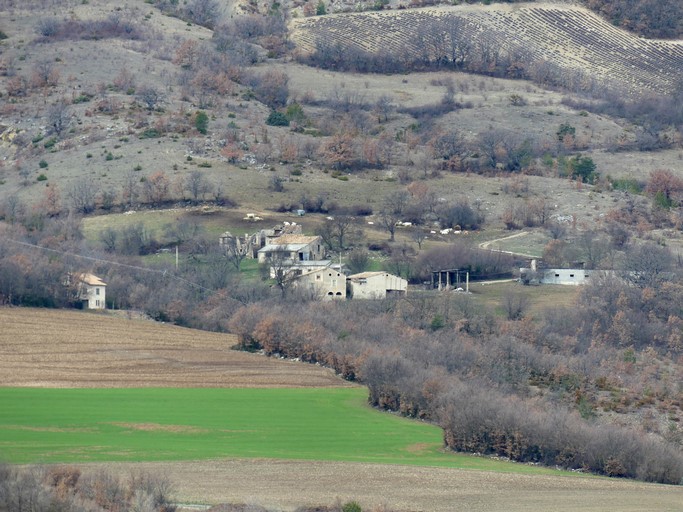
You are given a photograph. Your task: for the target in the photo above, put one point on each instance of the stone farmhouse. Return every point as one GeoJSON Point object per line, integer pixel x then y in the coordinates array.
{"type": "Point", "coordinates": [327, 283]}
{"type": "Point", "coordinates": [376, 285]}
{"type": "Point", "coordinates": [91, 291]}
{"type": "Point", "coordinates": [293, 248]}
{"type": "Point", "coordinates": [251, 244]}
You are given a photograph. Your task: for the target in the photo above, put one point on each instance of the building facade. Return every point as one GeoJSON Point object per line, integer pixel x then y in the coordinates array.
{"type": "Point", "coordinates": [376, 285]}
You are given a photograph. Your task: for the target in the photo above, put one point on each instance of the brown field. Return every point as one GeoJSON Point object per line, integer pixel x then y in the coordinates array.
{"type": "Point", "coordinates": [54, 348]}
{"type": "Point", "coordinates": [284, 485]}
{"type": "Point", "coordinates": [57, 348]}
{"type": "Point", "coordinates": [572, 37]}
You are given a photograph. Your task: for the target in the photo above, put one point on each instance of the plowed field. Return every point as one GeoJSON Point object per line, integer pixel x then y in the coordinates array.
{"type": "Point", "coordinates": [52, 348]}
{"type": "Point", "coordinates": [59, 348]}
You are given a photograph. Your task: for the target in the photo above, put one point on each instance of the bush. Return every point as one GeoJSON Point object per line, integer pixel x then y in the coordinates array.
{"type": "Point", "coordinates": [42, 177]}
{"type": "Point", "coordinates": [42, 164]}
{"type": "Point", "coordinates": [201, 122]}
{"type": "Point", "coordinates": [150, 133]}
{"type": "Point", "coordinates": [351, 506]}
{"type": "Point", "coordinates": [277, 119]}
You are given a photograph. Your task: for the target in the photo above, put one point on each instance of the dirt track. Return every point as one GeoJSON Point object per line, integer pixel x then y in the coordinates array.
{"type": "Point", "coordinates": [51, 348]}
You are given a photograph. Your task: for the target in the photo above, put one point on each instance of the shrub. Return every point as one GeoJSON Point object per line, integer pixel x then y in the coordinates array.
{"type": "Point", "coordinates": [201, 122]}
{"type": "Point", "coordinates": [49, 143]}
{"type": "Point", "coordinates": [82, 98]}
{"type": "Point", "coordinates": [42, 164]}
{"type": "Point", "coordinates": [565, 129]}
{"type": "Point", "coordinates": [150, 133]}
{"type": "Point", "coordinates": [41, 177]}
{"type": "Point", "coordinates": [351, 506]}
{"type": "Point", "coordinates": [277, 119]}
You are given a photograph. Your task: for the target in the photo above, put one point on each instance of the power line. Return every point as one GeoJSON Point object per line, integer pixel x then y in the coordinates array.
{"type": "Point", "coordinates": [163, 273]}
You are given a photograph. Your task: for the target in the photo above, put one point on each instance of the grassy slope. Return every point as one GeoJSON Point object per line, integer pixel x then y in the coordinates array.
{"type": "Point", "coordinates": [78, 425]}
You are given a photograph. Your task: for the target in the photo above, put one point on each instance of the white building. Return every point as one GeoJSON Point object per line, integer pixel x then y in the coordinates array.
{"type": "Point", "coordinates": [565, 276]}
{"type": "Point", "coordinates": [91, 291]}
{"type": "Point", "coordinates": [326, 283]}
{"type": "Point", "coordinates": [376, 285]}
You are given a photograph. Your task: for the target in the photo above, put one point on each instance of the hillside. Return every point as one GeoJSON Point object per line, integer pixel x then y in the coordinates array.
{"type": "Point", "coordinates": [580, 49]}
{"type": "Point", "coordinates": [411, 138]}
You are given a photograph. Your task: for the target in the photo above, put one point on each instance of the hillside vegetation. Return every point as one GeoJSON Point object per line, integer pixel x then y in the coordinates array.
{"type": "Point", "coordinates": [553, 45]}
{"type": "Point", "coordinates": [204, 118]}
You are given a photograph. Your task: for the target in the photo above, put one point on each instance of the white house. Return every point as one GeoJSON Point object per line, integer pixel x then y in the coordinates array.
{"type": "Point", "coordinates": [327, 283]}
{"type": "Point", "coordinates": [376, 285]}
{"type": "Point", "coordinates": [91, 291]}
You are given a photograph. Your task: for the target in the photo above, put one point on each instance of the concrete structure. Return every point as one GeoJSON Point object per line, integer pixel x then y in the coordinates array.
{"type": "Point", "coordinates": [293, 248]}
{"type": "Point", "coordinates": [451, 279]}
{"type": "Point", "coordinates": [376, 285]}
{"type": "Point", "coordinates": [326, 283]}
{"type": "Point", "coordinates": [91, 291]}
{"type": "Point", "coordinates": [565, 276]}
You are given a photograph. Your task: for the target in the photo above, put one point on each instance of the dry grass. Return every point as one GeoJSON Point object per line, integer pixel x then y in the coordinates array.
{"type": "Point", "coordinates": [58, 348]}
{"type": "Point", "coordinates": [284, 485]}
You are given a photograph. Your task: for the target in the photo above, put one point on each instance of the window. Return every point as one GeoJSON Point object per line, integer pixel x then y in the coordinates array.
{"type": "Point", "coordinates": [571, 275]}
{"type": "Point", "coordinates": [557, 275]}
{"type": "Point", "coordinates": [97, 303]}
{"type": "Point", "coordinates": [97, 291]}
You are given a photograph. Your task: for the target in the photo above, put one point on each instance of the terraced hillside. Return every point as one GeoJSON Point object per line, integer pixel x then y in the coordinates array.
{"type": "Point", "coordinates": [569, 42]}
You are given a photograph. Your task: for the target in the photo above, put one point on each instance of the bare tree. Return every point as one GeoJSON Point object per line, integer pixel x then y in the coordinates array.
{"type": "Point", "coordinates": [556, 229]}
{"type": "Point", "coordinates": [515, 304]}
{"type": "Point", "coordinates": [131, 188]}
{"type": "Point", "coordinates": [204, 12]}
{"type": "Point", "coordinates": [594, 248]}
{"type": "Point", "coordinates": [383, 108]}
{"type": "Point", "coordinates": [150, 97]}
{"type": "Point", "coordinates": [647, 265]}
{"type": "Point", "coordinates": [13, 209]}
{"type": "Point", "coordinates": [358, 260]}
{"type": "Point", "coordinates": [236, 250]}
{"type": "Point", "coordinates": [82, 195]}
{"type": "Point", "coordinates": [109, 237]}
{"type": "Point", "coordinates": [393, 207]}
{"type": "Point", "coordinates": [418, 235]}
{"type": "Point", "coordinates": [44, 73]}
{"type": "Point", "coordinates": [59, 117]}
{"type": "Point", "coordinates": [280, 269]}
{"type": "Point", "coordinates": [336, 231]}
{"type": "Point", "coordinates": [197, 185]}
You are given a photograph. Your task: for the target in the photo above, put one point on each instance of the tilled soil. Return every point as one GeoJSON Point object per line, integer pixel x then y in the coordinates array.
{"type": "Point", "coordinates": [56, 348]}
{"type": "Point", "coordinates": [73, 349]}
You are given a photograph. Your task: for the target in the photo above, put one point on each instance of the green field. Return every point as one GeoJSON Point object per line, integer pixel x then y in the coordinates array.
{"type": "Point", "coordinates": [80, 425]}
